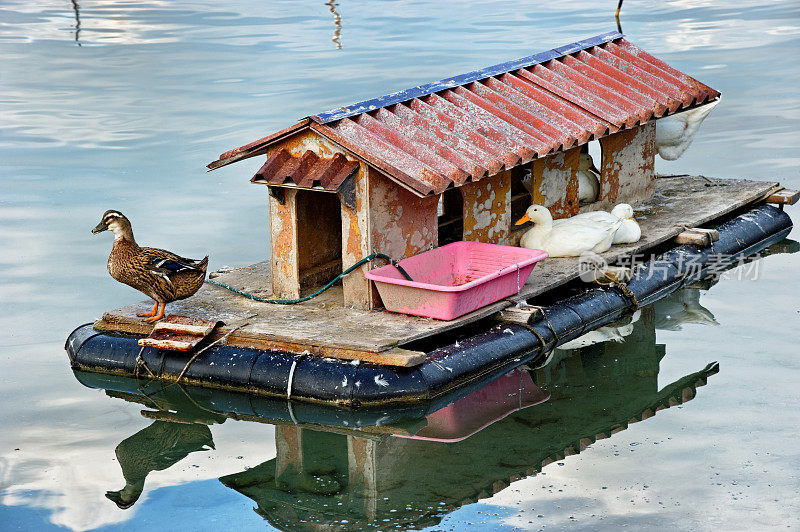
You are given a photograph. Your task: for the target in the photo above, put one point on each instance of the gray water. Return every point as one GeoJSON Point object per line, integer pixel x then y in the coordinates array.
{"type": "Point", "coordinates": [125, 112]}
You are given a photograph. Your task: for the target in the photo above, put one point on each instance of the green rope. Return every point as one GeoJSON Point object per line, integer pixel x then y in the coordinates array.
{"type": "Point", "coordinates": [318, 292]}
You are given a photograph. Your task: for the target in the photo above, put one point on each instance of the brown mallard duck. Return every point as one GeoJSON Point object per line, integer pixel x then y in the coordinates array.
{"type": "Point", "coordinates": [157, 273]}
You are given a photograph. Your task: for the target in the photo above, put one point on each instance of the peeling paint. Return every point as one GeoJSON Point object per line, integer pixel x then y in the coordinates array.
{"type": "Point", "coordinates": [487, 209]}
{"type": "Point", "coordinates": [306, 140]}
{"type": "Point", "coordinates": [555, 183]}
{"type": "Point", "coordinates": [283, 221]}
{"type": "Point", "coordinates": [627, 172]}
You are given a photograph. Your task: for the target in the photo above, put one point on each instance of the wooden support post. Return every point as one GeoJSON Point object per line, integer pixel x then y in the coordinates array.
{"type": "Point", "coordinates": [627, 173]}
{"type": "Point", "coordinates": [284, 245]}
{"type": "Point", "coordinates": [554, 182]}
{"type": "Point", "coordinates": [487, 209]}
{"type": "Point", "coordinates": [388, 219]}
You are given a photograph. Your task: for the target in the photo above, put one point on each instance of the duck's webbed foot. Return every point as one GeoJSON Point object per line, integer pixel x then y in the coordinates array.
{"type": "Point", "coordinates": [152, 311]}
{"type": "Point", "coordinates": [157, 316]}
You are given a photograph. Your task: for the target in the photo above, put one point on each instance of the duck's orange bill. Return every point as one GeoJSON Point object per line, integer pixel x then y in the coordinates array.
{"type": "Point", "coordinates": [522, 220]}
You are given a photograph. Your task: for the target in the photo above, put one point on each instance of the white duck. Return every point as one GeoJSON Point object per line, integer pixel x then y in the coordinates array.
{"type": "Point", "coordinates": [674, 133]}
{"type": "Point", "coordinates": [629, 230]}
{"type": "Point", "coordinates": [588, 180]}
{"type": "Point", "coordinates": [566, 239]}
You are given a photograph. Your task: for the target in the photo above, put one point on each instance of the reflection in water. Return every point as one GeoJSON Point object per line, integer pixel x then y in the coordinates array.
{"type": "Point", "coordinates": [155, 448]}
{"type": "Point", "coordinates": [682, 307]}
{"type": "Point", "coordinates": [76, 8]}
{"type": "Point", "coordinates": [337, 21]}
{"type": "Point", "coordinates": [613, 331]}
{"type": "Point", "coordinates": [405, 471]}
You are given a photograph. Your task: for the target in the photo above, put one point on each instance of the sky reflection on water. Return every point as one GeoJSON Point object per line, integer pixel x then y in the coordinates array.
{"type": "Point", "coordinates": [155, 90]}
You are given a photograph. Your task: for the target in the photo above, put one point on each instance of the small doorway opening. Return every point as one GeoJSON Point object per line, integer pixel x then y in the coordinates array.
{"type": "Point", "coordinates": [319, 238]}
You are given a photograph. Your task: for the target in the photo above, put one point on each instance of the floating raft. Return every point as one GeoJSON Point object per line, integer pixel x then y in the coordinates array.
{"type": "Point", "coordinates": [324, 327]}
{"type": "Point", "coordinates": [287, 351]}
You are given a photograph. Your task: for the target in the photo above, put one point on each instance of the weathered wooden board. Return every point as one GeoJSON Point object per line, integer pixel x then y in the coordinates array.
{"type": "Point", "coordinates": [178, 333]}
{"type": "Point", "coordinates": [325, 327]}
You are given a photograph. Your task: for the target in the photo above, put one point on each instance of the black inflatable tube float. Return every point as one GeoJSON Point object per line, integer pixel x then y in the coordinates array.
{"type": "Point", "coordinates": [449, 372]}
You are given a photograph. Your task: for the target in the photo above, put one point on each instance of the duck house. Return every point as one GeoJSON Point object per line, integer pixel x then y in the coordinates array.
{"type": "Point", "coordinates": [454, 160]}
{"type": "Point", "coordinates": [460, 158]}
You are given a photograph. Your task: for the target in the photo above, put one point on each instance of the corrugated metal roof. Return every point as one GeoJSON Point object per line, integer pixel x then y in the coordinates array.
{"type": "Point", "coordinates": [466, 127]}
{"type": "Point", "coordinates": [305, 171]}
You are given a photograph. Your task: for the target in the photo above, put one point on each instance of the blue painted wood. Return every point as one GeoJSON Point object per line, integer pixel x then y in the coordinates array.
{"type": "Point", "coordinates": [462, 79]}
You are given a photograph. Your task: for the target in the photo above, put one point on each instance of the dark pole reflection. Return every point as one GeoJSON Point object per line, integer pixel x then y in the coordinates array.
{"type": "Point", "coordinates": [337, 21]}
{"type": "Point", "coordinates": [76, 8]}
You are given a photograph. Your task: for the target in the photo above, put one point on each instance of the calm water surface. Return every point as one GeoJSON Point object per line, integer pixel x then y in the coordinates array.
{"type": "Point", "coordinates": [124, 113]}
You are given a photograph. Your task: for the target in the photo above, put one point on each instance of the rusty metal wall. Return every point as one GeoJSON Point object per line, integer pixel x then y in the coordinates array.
{"type": "Point", "coordinates": [283, 244]}
{"type": "Point", "coordinates": [386, 219]}
{"type": "Point", "coordinates": [627, 169]}
{"type": "Point", "coordinates": [555, 183]}
{"type": "Point", "coordinates": [487, 209]}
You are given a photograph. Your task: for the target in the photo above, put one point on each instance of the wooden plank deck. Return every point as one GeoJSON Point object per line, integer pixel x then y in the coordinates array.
{"type": "Point", "coordinates": [324, 327]}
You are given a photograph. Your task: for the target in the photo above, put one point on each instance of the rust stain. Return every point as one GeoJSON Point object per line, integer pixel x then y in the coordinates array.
{"type": "Point", "coordinates": [403, 224]}
{"type": "Point", "coordinates": [353, 247]}
{"type": "Point", "coordinates": [555, 183]}
{"type": "Point", "coordinates": [487, 209]}
{"type": "Point", "coordinates": [611, 165]}
{"type": "Point", "coordinates": [284, 240]}
{"type": "Point", "coordinates": [627, 173]}
{"type": "Point", "coordinates": [310, 140]}
{"type": "Point", "coordinates": [283, 218]}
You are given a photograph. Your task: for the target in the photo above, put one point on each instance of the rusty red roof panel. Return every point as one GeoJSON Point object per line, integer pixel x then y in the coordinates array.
{"type": "Point", "coordinates": [464, 128]}
{"type": "Point", "coordinates": [305, 171]}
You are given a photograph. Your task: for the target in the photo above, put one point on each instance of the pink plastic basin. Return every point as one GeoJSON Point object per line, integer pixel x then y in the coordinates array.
{"type": "Point", "coordinates": [455, 279]}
